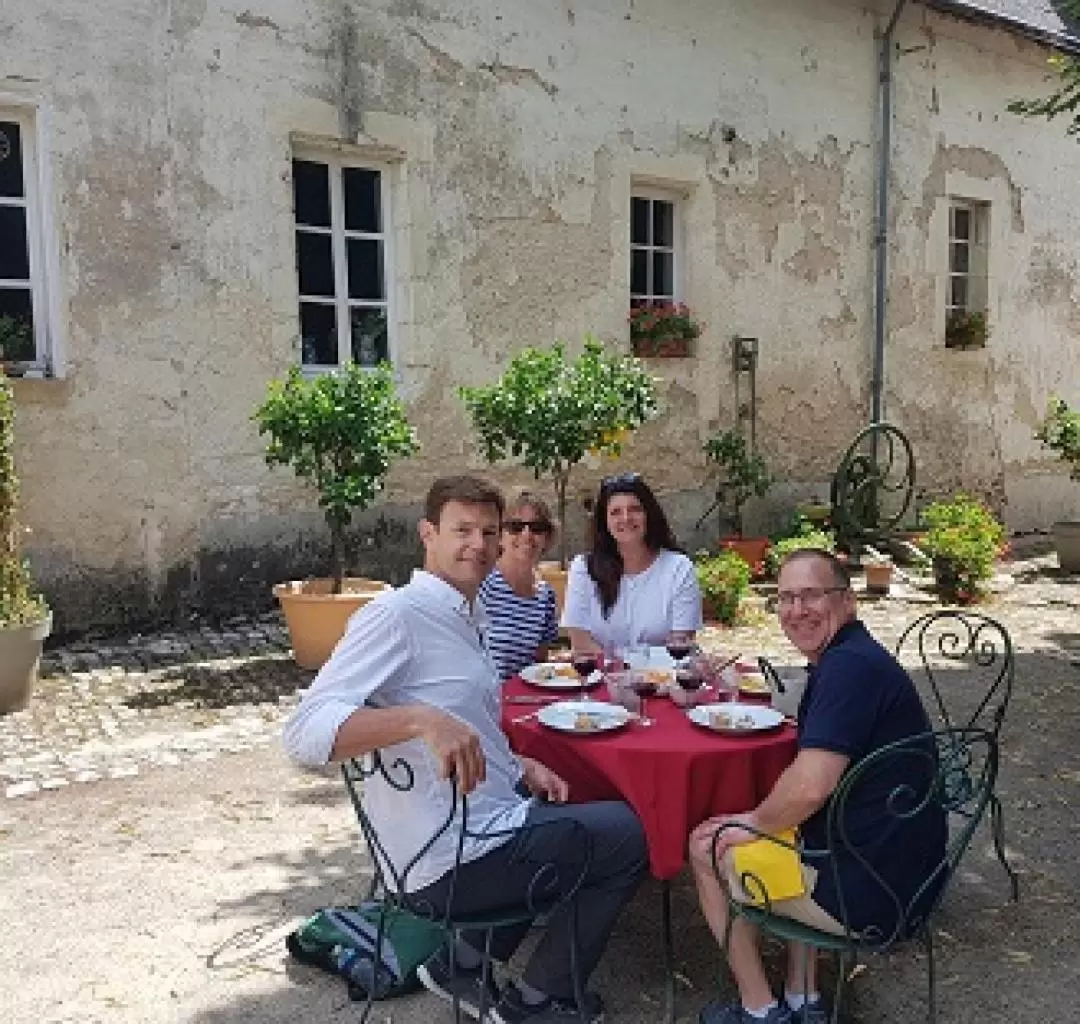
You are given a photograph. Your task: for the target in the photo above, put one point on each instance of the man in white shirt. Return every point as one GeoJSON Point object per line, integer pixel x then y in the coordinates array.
{"type": "Point", "coordinates": [412, 678]}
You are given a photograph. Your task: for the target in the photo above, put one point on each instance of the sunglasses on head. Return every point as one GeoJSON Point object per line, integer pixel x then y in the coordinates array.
{"type": "Point", "coordinates": [535, 526]}
{"type": "Point", "coordinates": [612, 483]}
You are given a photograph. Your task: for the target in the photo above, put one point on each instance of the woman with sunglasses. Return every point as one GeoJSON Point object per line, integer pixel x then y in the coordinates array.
{"type": "Point", "coordinates": [634, 586]}
{"type": "Point", "coordinates": [520, 606]}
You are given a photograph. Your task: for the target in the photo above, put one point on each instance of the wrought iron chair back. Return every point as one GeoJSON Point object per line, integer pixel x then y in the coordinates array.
{"type": "Point", "coordinates": [955, 769]}
{"type": "Point", "coordinates": [873, 486]}
{"type": "Point", "coordinates": [967, 662]}
{"type": "Point", "coordinates": [552, 882]}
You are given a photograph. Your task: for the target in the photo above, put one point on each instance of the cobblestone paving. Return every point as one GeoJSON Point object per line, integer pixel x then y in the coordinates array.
{"type": "Point", "coordinates": [114, 708]}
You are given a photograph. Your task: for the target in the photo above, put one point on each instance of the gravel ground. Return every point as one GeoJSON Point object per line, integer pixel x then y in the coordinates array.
{"type": "Point", "coordinates": [168, 900]}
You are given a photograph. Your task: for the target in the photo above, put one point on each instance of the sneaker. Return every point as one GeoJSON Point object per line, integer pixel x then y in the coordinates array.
{"type": "Point", "coordinates": [512, 1009]}
{"type": "Point", "coordinates": [813, 1012]}
{"type": "Point", "coordinates": [733, 1013]}
{"type": "Point", "coordinates": [436, 977]}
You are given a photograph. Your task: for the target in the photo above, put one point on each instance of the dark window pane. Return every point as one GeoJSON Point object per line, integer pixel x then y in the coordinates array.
{"type": "Point", "coordinates": [14, 256]}
{"type": "Point", "coordinates": [639, 272]}
{"type": "Point", "coordinates": [958, 292]}
{"type": "Point", "coordinates": [960, 261]}
{"type": "Point", "coordinates": [368, 328]}
{"type": "Point", "coordinates": [663, 223]}
{"type": "Point", "coordinates": [961, 227]}
{"type": "Point", "coordinates": [11, 171]}
{"type": "Point", "coordinates": [16, 325]}
{"type": "Point", "coordinates": [318, 335]}
{"type": "Point", "coordinates": [315, 264]}
{"type": "Point", "coordinates": [311, 193]}
{"type": "Point", "coordinates": [663, 274]}
{"type": "Point", "coordinates": [639, 221]}
{"type": "Point", "coordinates": [365, 269]}
{"type": "Point", "coordinates": [363, 210]}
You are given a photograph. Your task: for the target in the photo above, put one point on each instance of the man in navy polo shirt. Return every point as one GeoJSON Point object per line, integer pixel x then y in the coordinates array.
{"type": "Point", "coordinates": [857, 700]}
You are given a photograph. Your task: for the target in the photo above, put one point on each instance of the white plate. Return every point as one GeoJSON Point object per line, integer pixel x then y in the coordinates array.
{"type": "Point", "coordinates": [544, 675]}
{"type": "Point", "coordinates": [741, 719]}
{"type": "Point", "coordinates": [571, 715]}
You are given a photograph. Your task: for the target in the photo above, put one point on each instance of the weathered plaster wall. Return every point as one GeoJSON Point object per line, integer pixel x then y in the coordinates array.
{"type": "Point", "coordinates": [512, 131]}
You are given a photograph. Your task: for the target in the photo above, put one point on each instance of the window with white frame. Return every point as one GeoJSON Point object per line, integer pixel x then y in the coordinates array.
{"type": "Point", "coordinates": [23, 310]}
{"type": "Point", "coordinates": [654, 248]}
{"type": "Point", "coordinates": [966, 296]}
{"type": "Point", "coordinates": [342, 264]}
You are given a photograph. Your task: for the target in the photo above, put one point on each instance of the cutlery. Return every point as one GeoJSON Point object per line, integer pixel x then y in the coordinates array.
{"type": "Point", "coordinates": [528, 699]}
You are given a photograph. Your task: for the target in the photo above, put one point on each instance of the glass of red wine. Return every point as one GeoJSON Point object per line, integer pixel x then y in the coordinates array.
{"type": "Point", "coordinates": [680, 645]}
{"type": "Point", "coordinates": [585, 663]}
{"type": "Point", "coordinates": [642, 684]}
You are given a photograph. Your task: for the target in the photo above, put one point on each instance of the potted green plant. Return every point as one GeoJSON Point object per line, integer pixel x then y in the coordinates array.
{"type": "Point", "coordinates": [743, 475]}
{"type": "Point", "coordinates": [663, 330]}
{"type": "Point", "coordinates": [341, 432]}
{"type": "Point", "coordinates": [803, 534]}
{"type": "Point", "coordinates": [963, 540]}
{"type": "Point", "coordinates": [965, 328]}
{"type": "Point", "coordinates": [724, 580]}
{"type": "Point", "coordinates": [25, 619]}
{"type": "Point", "coordinates": [1059, 431]}
{"type": "Point", "coordinates": [550, 411]}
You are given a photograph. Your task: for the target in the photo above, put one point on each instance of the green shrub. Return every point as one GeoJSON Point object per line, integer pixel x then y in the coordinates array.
{"type": "Point", "coordinates": [724, 580]}
{"type": "Point", "coordinates": [806, 535]}
{"type": "Point", "coordinates": [963, 539]}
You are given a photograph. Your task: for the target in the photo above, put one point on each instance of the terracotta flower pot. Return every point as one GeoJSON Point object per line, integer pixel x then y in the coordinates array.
{"type": "Point", "coordinates": [316, 616]}
{"type": "Point", "coordinates": [661, 348]}
{"type": "Point", "coordinates": [751, 549]}
{"type": "Point", "coordinates": [878, 577]}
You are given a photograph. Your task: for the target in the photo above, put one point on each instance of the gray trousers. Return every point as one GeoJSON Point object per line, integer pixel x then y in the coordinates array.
{"type": "Point", "coordinates": [541, 863]}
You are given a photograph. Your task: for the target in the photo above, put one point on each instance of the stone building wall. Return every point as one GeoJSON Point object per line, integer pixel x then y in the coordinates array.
{"type": "Point", "coordinates": [512, 133]}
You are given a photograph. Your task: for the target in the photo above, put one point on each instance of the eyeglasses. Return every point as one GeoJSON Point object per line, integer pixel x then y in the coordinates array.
{"type": "Point", "coordinates": [536, 526]}
{"type": "Point", "coordinates": [610, 483]}
{"type": "Point", "coordinates": [809, 596]}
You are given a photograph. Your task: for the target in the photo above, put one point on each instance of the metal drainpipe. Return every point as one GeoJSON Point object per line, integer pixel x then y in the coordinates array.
{"type": "Point", "coordinates": [881, 240]}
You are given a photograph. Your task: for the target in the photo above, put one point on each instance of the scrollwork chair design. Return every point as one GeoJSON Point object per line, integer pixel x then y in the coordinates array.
{"type": "Point", "coordinates": [553, 882]}
{"type": "Point", "coordinates": [960, 768]}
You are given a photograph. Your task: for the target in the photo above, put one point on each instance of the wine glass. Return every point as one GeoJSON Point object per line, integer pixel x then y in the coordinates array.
{"type": "Point", "coordinates": [641, 683]}
{"type": "Point", "coordinates": [679, 644]}
{"type": "Point", "coordinates": [585, 663]}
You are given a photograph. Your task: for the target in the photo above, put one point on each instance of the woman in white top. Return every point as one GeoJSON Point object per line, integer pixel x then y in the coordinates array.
{"type": "Point", "coordinates": [522, 617]}
{"type": "Point", "coordinates": [634, 586]}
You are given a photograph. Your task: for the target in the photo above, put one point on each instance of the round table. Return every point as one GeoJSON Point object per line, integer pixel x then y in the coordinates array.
{"type": "Point", "coordinates": [674, 774]}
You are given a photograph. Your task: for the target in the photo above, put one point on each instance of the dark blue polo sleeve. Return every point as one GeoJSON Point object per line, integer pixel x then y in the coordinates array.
{"type": "Point", "coordinates": [843, 711]}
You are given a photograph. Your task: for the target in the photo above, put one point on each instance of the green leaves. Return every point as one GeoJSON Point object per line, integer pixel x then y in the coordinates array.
{"type": "Point", "coordinates": [724, 580]}
{"type": "Point", "coordinates": [549, 411]}
{"type": "Point", "coordinates": [743, 472]}
{"type": "Point", "coordinates": [1060, 432]}
{"type": "Point", "coordinates": [964, 534]}
{"type": "Point", "coordinates": [1065, 99]}
{"type": "Point", "coordinates": [341, 431]}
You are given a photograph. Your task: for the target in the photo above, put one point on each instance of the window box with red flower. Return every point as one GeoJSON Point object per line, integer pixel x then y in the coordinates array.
{"type": "Point", "coordinates": [663, 330]}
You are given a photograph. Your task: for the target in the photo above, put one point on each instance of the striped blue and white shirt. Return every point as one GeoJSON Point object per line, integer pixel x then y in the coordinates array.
{"type": "Point", "coordinates": [517, 626]}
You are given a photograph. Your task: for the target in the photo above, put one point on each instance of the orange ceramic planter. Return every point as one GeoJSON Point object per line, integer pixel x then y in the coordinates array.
{"type": "Point", "coordinates": [752, 550]}
{"type": "Point", "coordinates": [316, 616]}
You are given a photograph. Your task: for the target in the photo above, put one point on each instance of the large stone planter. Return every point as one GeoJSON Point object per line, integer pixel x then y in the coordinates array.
{"type": "Point", "coordinates": [1067, 542]}
{"type": "Point", "coordinates": [316, 616]}
{"type": "Point", "coordinates": [20, 653]}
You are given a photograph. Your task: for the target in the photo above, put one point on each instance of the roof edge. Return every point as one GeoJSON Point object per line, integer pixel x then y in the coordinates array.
{"type": "Point", "coordinates": [980, 15]}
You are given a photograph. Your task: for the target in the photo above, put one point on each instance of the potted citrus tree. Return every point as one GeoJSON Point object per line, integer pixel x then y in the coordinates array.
{"type": "Point", "coordinates": [25, 620]}
{"type": "Point", "coordinates": [1060, 432]}
{"type": "Point", "coordinates": [549, 411]}
{"type": "Point", "coordinates": [340, 432]}
{"type": "Point", "coordinates": [743, 475]}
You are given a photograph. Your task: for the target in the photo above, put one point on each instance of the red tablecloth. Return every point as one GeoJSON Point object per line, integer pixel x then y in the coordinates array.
{"type": "Point", "coordinates": [674, 774]}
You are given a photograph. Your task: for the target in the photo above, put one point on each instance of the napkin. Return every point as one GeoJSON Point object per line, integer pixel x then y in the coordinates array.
{"type": "Point", "coordinates": [763, 864]}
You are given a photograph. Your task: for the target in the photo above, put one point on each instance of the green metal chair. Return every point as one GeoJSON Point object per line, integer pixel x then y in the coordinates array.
{"type": "Point", "coordinates": [978, 652]}
{"type": "Point", "coordinates": [873, 487]}
{"type": "Point", "coordinates": [390, 881]}
{"type": "Point", "coordinates": [962, 769]}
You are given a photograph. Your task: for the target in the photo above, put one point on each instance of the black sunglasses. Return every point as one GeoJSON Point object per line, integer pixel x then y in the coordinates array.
{"type": "Point", "coordinates": [611, 483]}
{"type": "Point", "coordinates": [536, 526]}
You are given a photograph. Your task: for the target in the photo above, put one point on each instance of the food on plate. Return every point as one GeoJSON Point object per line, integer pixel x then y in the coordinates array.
{"type": "Point", "coordinates": [724, 720]}
{"type": "Point", "coordinates": [657, 676]}
{"type": "Point", "coordinates": [754, 682]}
{"type": "Point", "coordinates": [545, 673]}
{"type": "Point", "coordinates": [585, 722]}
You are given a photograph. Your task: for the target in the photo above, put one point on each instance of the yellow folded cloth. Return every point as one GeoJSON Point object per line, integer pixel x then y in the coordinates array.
{"type": "Point", "coordinates": [767, 871]}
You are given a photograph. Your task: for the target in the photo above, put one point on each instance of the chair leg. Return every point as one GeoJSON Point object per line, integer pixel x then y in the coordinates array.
{"type": "Point", "coordinates": [841, 985]}
{"type": "Point", "coordinates": [669, 953]}
{"type": "Point", "coordinates": [997, 828]}
{"type": "Point", "coordinates": [455, 1002]}
{"type": "Point", "coordinates": [931, 978]}
{"type": "Point", "coordinates": [575, 973]}
{"type": "Point", "coordinates": [485, 974]}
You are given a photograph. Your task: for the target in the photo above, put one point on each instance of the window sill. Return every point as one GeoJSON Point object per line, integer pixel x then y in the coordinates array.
{"type": "Point", "coordinates": [28, 371]}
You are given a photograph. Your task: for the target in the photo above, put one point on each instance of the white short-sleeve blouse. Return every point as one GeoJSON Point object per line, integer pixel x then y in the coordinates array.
{"type": "Point", "coordinates": [651, 604]}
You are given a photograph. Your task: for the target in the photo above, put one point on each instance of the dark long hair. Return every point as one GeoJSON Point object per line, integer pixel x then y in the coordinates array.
{"type": "Point", "coordinates": [603, 560]}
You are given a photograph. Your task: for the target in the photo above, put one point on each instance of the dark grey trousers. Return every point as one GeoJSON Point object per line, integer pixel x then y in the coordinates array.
{"type": "Point", "coordinates": [542, 862]}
